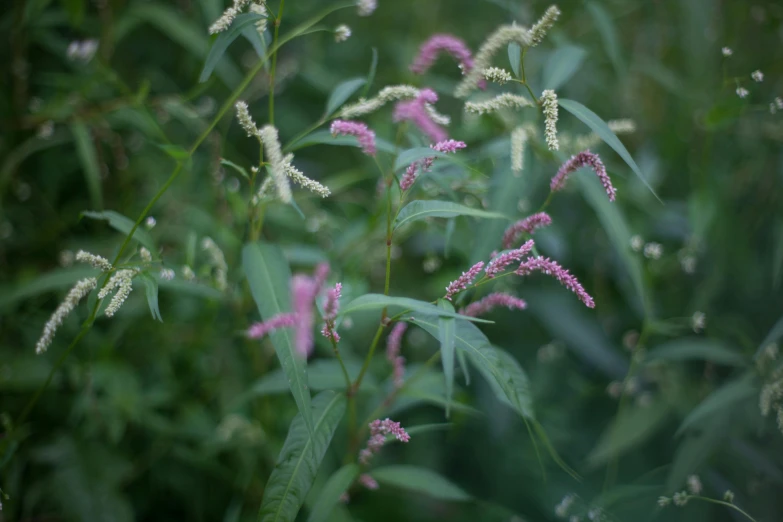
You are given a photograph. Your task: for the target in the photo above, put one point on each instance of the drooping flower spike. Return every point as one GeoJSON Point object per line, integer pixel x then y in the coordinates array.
{"type": "Point", "coordinates": [438, 43]}
{"type": "Point", "coordinates": [506, 100]}
{"type": "Point", "coordinates": [259, 330]}
{"type": "Point", "coordinates": [491, 302]}
{"type": "Point", "coordinates": [447, 146]}
{"type": "Point", "coordinates": [393, 348]}
{"type": "Point", "coordinates": [500, 262]}
{"type": "Point", "coordinates": [415, 111]}
{"type": "Point", "coordinates": [549, 267]}
{"type": "Point", "coordinates": [583, 159]}
{"type": "Point", "coordinates": [76, 294]}
{"type": "Point", "coordinates": [464, 280]}
{"type": "Point", "coordinates": [549, 104]}
{"type": "Point", "coordinates": [331, 308]}
{"type": "Point", "coordinates": [527, 225]}
{"type": "Point", "coordinates": [365, 136]}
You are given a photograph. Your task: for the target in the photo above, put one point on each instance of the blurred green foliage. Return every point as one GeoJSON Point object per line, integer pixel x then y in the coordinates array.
{"type": "Point", "coordinates": [185, 419]}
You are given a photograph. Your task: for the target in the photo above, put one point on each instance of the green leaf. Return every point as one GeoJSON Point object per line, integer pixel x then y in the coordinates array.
{"type": "Point", "coordinates": [85, 149]}
{"type": "Point", "coordinates": [695, 348]}
{"type": "Point", "coordinates": [697, 447]}
{"type": "Point", "coordinates": [123, 224]}
{"type": "Point", "coordinates": [724, 398]}
{"type": "Point", "coordinates": [616, 228]}
{"type": "Point", "coordinates": [421, 209]}
{"type": "Point", "coordinates": [337, 484]}
{"type": "Point", "coordinates": [562, 65]}
{"type": "Point", "coordinates": [600, 127]}
{"type": "Point", "coordinates": [463, 365]}
{"type": "Point", "coordinates": [322, 374]}
{"type": "Point", "coordinates": [324, 137]}
{"type": "Point", "coordinates": [151, 286]}
{"type": "Point", "coordinates": [605, 26]}
{"type": "Point", "coordinates": [300, 458]}
{"type": "Point", "coordinates": [174, 151]}
{"type": "Point", "coordinates": [371, 73]}
{"type": "Point", "coordinates": [406, 157]}
{"type": "Point", "coordinates": [239, 169]}
{"type": "Point", "coordinates": [268, 275]}
{"type": "Point", "coordinates": [632, 427]}
{"type": "Point", "coordinates": [506, 377]}
{"type": "Point", "coordinates": [224, 39]}
{"type": "Point", "coordinates": [514, 56]}
{"type": "Point", "coordinates": [341, 93]}
{"type": "Point", "coordinates": [420, 480]}
{"type": "Point", "coordinates": [378, 301]}
{"type": "Point", "coordinates": [446, 332]}
{"type": "Point", "coordinates": [55, 280]}
{"type": "Point", "coordinates": [251, 34]}
{"type": "Point", "coordinates": [773, 335]}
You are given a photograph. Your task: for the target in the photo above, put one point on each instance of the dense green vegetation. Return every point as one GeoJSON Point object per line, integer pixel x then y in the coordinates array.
{"type": "Point", "coordinates": [673, 374]}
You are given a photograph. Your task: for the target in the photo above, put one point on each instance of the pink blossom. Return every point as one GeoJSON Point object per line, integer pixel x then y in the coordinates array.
{"type": "Point", "coordinates": [393, 346]}
{"type": "Point", "coordinates": [464, 280]}
{"type": "Point", "coordinates": [448, 146]}
{"type": "Point", "coordinates": [365, 136]}
{"type": "Point", "coordinates": [368, 482]}
{"type": "Point", "coordinates": [303, 292]}
{"type": "Point", "coordinates": [528, 225]}
{"type": "Point", "coordinates": [415, 112]}
{"type": "Point", "coordinates": [259, 330]}
{"type": "Point", "coordinates": [410, 176]}
{"type": "Point", "coordinates": [379, 429]}
{"type": "Point", "coordinates": [319, 276]}
{"type": "Point", "coordinates": [492, 301]}
{"type": "Point", "coordinates": [331, 308]}
{"type": "Point", "coordinates": [499, 263]}
{"type": "Point", "coordinates": [584, 158]}
{"type": "Point", "coordinates": [549, 267]}
{"type": "Point", "coordinates": [426, 164]}
{"type": "Point", "coordinates": [429, 51]}
{"type": "Point", "coordinates": [398, 373]}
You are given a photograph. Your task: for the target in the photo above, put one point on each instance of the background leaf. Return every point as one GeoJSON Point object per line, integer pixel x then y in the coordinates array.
{"type": "Point", "coordinates": [421, 209]}
{"type": "Point", "coordinates": [378, 301]}
{"type": "Point", "coordinates": [330, 494]}
{"type": "Point", "coordinates": [695, 348]}
{"type": "Point", "coordinates": [342, 93]}
{"type": "Point", "coordinates": [123, 224]}
{"type": "Point", "coordinates": [300, 459]}
{"type": "Point", "coordinates": [85, 148]}
{"type": "Point", "coordinates": [269, 276]}
{"type": "Point", "coordinates": [446, 332]}
{"type": "Point", "coordinates": [562, 65]}
{"type": "Point", "coordinates": [420, 480]}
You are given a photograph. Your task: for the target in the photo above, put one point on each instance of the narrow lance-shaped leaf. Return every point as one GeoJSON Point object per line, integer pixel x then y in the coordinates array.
{"type": "Point", "coordinates": [446, 332]}
{"type": "Point", "coordinates": [514, 55]}
{"type": "Point", "coordinates": [341, 93]}
{"type": "Point", "coordinates": [123, 224]}
{"type": "Point", "coordinates": [421, 209]}
{"type": "Point", "coordinates": [726, 397]}
{"type": "Point", "coordinates": [268, 275]}
{"type": "Point", "coordinates": [603, 131]}
{"type": "Point", "coordinates": [151, 286]}
{"type": "Point", "coordinates": [378, 301]}
{"type": "Point", "coordinates": [562, 65]}
{"type": "Point", "coordinates": [300, 458]}
{"type": "Point", "coordinates": [337, 484]}
{"type": "Point", "coordinates": [224, 39]}
{"type": "Point", "coordinates": [695, 348]}
{"type": "Point", "coordinates": [504, 374]}
{"type": "Point", "coordinates": [85, 149]}
{"type": "Point", "coordinates": [420, 480]}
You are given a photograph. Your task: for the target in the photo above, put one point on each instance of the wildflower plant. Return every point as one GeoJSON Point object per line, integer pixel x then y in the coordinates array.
{"type": "Point", "coordinates": [305, 255]}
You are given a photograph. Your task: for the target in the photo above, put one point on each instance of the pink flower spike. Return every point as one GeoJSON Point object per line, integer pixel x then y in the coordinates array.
{"type": "Point", "coordinates": [583, 159]}
{"type": "Point", "coordinates": [331, 308]}
{"type": "Point", "coordinates": [379, 429]}
{"type": "Point", "coordinates": [259, 330]}
{"type": "Point", "coordinates": [528, 225]}
{"type": "Point", "coordinates": [491, 302]}
{"type": "Point", "coordinates": [499, 263]}
{"type": "Point", "coordinates": [398, 374]}
{"type": "Point", "coordinates": [448, 146]}
{"type": "Point", "coordinates": [303, 292]}
{"type": "Point", "coordinates": [368, 482]}
{"type": "Point", "coordinates": [319, 276]}
{"type": "Point", "coordinates": [365, 136]}
{"type": "Point", "coordinates": [438, 43]}
{"type": "Point", "coordinates": [410, 176]}
{"type": "Point", "coordinates": [464, 280]}
{"type": "Point", "coordinates": [394, 341]}
{"type": "Point", "coordinates": [415, 112]}
{"type": "Point", "coordinates": [549, 267]}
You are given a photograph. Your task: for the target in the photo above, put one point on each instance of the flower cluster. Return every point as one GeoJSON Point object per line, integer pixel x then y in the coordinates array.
{"type": "Point", "coordinates": [549, 103]}
{"type": "Point", "coordinates": [464, 280]}
{"type": "Point", "coordinates": [393, 348]}
{"type": "Point", "coordinates": [331, 308]}
{"type": "Point", "coordinates": [101, 263]}
{"type": "Point", "coordinates": [416, 112]}
{"type": "Point", "coordinates": [122, 280]}
{"type": "Point", "coordinates": [506, 100]}
{"type": "Point", "coordinates": [527, 225]}
{"type": "Point", "coordinates": [540, 28]}
{"type": "Point", "coordinates": [497, 75]}
{"type": "Point", "coordinates": [583, 159]}
{"type": "Point", "coordinates": [501, 261]}
{"type": "Point", "coordinates": [492, 301]}
{"type": "Point", "coordinates": [379, 429]}
{"type": "Point", "coordinates": [363, 134]}
{"type": "Point", "coordinates": [277, 165]}
{"type": "Point", "coordinates": [438, 43]}
{"type": "Point", "coordinates": [425, 165]}
{"type": "Point", "coordinates": [76, 294]}
{"type": "Point", "coordinates": [549, 267]}
{"type": "Point", "coordinates": [218, 262]}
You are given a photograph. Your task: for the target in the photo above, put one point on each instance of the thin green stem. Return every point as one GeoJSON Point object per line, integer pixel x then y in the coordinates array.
{"type": "Point", "coordinates": [723, 503]}
{"type": "Point", "coordinates": [367, 359]}
{"type": "Point", "coordinates": [273, 67]}
{"type": "Point", "coordinates": [342, 364]}
{"type": "Point", "coordinates": [524, 76]}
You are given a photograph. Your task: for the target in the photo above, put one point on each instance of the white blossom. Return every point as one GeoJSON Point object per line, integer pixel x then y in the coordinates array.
{"type": "Point", "coordinates": [76, 294]}
{"type": "Point", "coordinates": [653, 250]}
{"type": "Point", "coordinates": [497, 75]}
{"type": "Point", "coordinates": [518, 141]}
{"type": "Point", "coordinates": [757, 76]}
{"type": "Point", "coordinates": [742, 92]}
{"type": "Point", "coordinates": [502, 101]}
{"type": "Point", "coordinates": [727, 51]}
{"type": "Point", "coordinates": [698, 320]}
{"type": "Point", "coordinates": [145, 254]}
{"type": "Point", "coordinates": [302, 180]}
{"type": "Point", "coordinates": [167, 274]}
{"type": "Point", "coordinates": [101, 263]}
{"type": "Point", "coordinates": [539, 30]}
{"type": "Point", "coordinates": [342, 33]}
{"type": "Point", "coordinates": [366, 7]}
{"type": "Point", "coordinates": [549, 102]}
{"type": "Point", "coordinates": [150, 222]}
